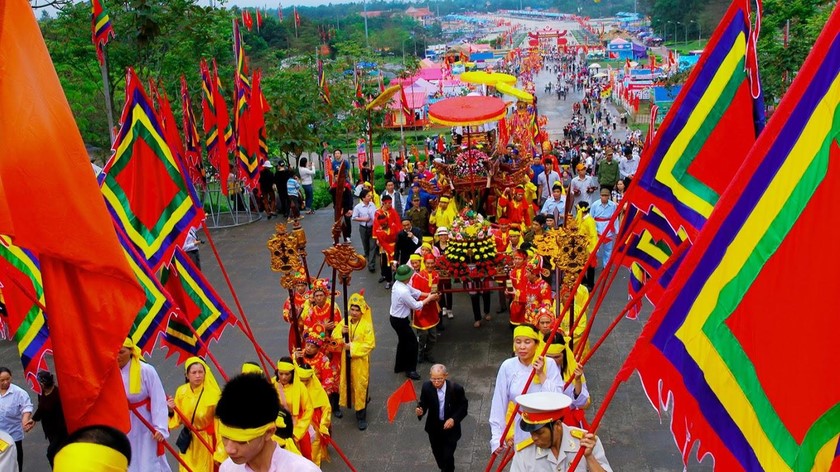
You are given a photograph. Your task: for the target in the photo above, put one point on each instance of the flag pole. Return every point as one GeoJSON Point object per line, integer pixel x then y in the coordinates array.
{"type": "Point", "coordinates": [106, 89]}
{"type": "Point", "coordinates": [246, 328]}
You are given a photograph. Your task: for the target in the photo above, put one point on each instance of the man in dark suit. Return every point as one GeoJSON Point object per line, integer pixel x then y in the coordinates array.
{"type": "Point", "coordinates": [446, 403]}
{"type": "Point", "coordinates": [408, 241]}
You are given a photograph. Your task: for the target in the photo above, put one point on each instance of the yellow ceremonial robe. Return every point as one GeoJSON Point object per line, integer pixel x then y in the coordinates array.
{"type": "Point", "coordinates": [198, 457]}
{"type": "Point", "coordinates": [362, 342]}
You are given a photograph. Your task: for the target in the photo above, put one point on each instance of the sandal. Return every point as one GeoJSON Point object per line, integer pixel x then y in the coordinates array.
{"type": "Point", "coordinates": [487, 317]}
{"type": "Point", "coordinates": [477, 324]}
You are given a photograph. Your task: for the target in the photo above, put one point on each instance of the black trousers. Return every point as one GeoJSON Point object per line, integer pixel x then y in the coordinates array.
{"type": "Point", "coordinates": [474, 298]}
{"type": "Point", "coordinates": [406, 360]}
{"type": "Point", "coordinates": [443, 448]}
{"type": "Point", "coordinates": [19, 445]}
{"type": "Point", "coordinates": [385, 268]}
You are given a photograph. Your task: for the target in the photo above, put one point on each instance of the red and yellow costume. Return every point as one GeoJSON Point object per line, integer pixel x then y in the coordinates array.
{"type": "Point", "coordinates": [518, 212]}
{"type": "Point", "coordinates": [502, 237]}
{"type": "Point", "coordinates": [386, 228]}
{"type": "Point", "coordinates": [321, 365]}
{"type": "Point", "coordinates": [295, 398]}
{"type": "Point", "coordinates": [300, 298]}
{"type": "Point", "coordinates": [428, 316]}
{"type": "Point", "coordinates": [319, 426]}
{"type": "Point", "coordinates": [518, 279]}
{"type": "Point", "coordinates": [537, 296]}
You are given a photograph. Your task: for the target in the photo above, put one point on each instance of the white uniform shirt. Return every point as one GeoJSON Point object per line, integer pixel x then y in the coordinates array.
{"type": "Point", "coordinates": [144, 456]}
{"type": "Point", "coordinates": [535, 459]}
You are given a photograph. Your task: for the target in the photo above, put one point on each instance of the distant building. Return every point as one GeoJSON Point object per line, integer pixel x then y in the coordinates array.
{"type": "Point", "coordinates": [423, 15]}
{"type": "Point", "coordinates": [373, 13]}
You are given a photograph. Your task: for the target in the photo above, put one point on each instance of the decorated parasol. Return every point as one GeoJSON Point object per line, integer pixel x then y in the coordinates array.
{"type": "Point", "coordinates": [487, 78]}
{"type": "Point", "coordinates": [515, 92]}
{"type": "Point", "coordinates": [383, 97]}
{"type": "Point", "coordinates": [467, 111]}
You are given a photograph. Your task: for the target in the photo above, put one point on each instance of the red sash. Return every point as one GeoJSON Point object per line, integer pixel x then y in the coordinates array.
{"type": "Point", "coordinates": [148, 404]}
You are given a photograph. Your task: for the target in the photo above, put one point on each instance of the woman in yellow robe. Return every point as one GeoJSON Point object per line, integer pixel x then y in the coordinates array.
{"type": "Point", "coordinates": [199, 394]}
{"type": "Point", "coordinates": [295, 399]}
{"type": "Point", "coordinates": [322, 412]}
{"type": "Point", "coordinates": [360, 344]}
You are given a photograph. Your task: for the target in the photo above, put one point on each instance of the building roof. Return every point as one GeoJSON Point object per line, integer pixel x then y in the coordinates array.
{"type": "Point", "coordinates": [415, 100]}
{"type": "Point", "coordinates": [418, 12]}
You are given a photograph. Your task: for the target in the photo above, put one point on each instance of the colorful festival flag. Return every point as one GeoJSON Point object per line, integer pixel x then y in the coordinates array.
{"type": "Point", "coordinates": [198, 306]}
{"type": "Point", "coordinates": [101, 28]}
{"type": "Point", "coordinates": [153, 315]}
{"type": "Point", "coordinates": [706, 133]}
{"type": "Point", "coordinates": [750, 313]}
{"type": "Point", "coordinates": [85, 274]}
{"type": "Point", "coordinates": [24, 322]}
{"type": "Point", "coordinates": [297, 18]}
{"type": "Point", "coordinates": [324, 88]}
{"type": "Point", "coordinates": [241, 82]}
{"type": "Point", "coordinates": [216, 125]}
{"type": "Point", "coordinates": [259, 107]}
{"type": "Point", "coordinates": [280, 12]}
{"type": "Point", "coordinates": [143, 185]}
{"type": "Point", "coordinates": [192, 141]}
{"type": "Point", "coordinates": [699, 147]}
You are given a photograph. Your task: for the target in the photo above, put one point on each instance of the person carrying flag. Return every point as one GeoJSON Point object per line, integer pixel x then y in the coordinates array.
{"type": "Point", "coordinates": [361, 341]}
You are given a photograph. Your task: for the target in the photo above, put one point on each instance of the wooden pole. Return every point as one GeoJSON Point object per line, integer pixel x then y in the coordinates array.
{"type": "Point", "coordinates": [106, 89]}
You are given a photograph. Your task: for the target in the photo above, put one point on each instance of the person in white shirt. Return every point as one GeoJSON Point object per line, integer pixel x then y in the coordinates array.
{"type": "Point", "coordinates": [404, 299]}
{"type": "Point", "coordinates": [307, 173]}
{"type": "Point", "coordinates": [396, 197]}
{"type": "Point", "coordinates": [546, 180]}
{"type": "Point", "coordinates": [247, 413]}
{"type": "Point", "coordinates": [146, 398]}
{"type": "Point", "coordinates": [363, 213]}
{"type": "Point", "coordinates": [15, 411]}
{"type": "Point", "coordinates": [627, 167]}
{"type": "Point", "coordinates": [582, 188]}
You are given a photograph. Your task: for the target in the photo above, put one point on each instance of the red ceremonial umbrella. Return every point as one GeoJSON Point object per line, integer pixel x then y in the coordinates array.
{"type": "Point", "coordinates": [467, 111]}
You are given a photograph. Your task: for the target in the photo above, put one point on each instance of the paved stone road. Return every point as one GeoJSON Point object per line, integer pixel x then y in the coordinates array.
{"type": "Point", "coordinates": [632, 434]}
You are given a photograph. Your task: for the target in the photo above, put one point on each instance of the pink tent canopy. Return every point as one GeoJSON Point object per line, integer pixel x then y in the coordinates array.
{"type": "Point", "coordinates": [415, 100]}
{"type": "Point", "coordinates": [432, 73]}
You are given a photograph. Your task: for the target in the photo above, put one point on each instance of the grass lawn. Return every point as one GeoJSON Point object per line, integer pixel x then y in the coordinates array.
{"type": "Point", "coordinates": [683, 48]}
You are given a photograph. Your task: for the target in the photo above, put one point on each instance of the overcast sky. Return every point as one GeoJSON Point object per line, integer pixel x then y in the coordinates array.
{"type": "Point", "coordinates": [274, 3]}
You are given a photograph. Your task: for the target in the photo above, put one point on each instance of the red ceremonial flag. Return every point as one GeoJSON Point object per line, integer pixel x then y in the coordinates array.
{"type": "Point", "coordinates": [652, 64]}
{"type": "Point", "coordinates": [297, 18]}
{"type": "Point", "coordinates": [101, 27]}
{"type": "Point", "coordinates": [86, 276]}
{"type": "Point", "coordinates": [405, 107]}
{"type": "Point", "coordinates": [259, 20]}
{"type": "Point", "coordinates": [280, 11]}
{"type": "Point", "coordinates": [247, 20]}
{"type": "Point", "coordinates": [225, 135]}
{"type": "Point", "coordinates": [403, 394]}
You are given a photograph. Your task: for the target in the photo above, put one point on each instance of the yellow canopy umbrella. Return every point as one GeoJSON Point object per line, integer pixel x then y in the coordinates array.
{"type": "Point", "coordinates": [383, 97]}
{"type": "Point", "coordinates": [515, 92]}
{"type": "Point", "coordinates": [487, 78]}
{"type": "Point", "coordinates": [467, 111]}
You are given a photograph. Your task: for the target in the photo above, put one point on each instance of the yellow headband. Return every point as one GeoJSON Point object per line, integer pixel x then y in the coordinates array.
{"type": "Point", "coordinates": [526, 331]}
{"type": "Point", "coordinates": [134, 379]}
{"type": "Point", "coordinates": [243, 435]}
{"type": "Point", "coordinates": [285, 366]}
{"type": "Point", "coordinates": [304, 374]}
{"type": "Point", "coordinates": [555, 349]}
{"type": "Point", "coordinates": [248, 368]}
{"type": "Point", "coordinates": [90, 457]}
{"type": "Point", "coordinates": [415, 257]}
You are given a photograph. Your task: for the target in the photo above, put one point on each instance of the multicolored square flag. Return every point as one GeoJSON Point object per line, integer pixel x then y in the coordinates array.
{"type": "Point", "coordinates": [744, 344]}
{"type": "Point", "coordinates": [101, 28]}
{"type": "Point", "coordinates": [143, 186]}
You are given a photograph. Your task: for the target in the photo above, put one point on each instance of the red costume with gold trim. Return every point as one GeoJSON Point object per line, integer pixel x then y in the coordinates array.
{"type": "Point", "coordinates": [428, 316]}
{"type": "Point", "coordinates": [518, 304]}
{"type": "Point", "coordinates": [517, 212]}
{"type": "Point", "coordinates": [300, 303]}
{"type": "Point", "coordinates": [537, 296]}
{"type": "Point", "coordinates": [386, 228]}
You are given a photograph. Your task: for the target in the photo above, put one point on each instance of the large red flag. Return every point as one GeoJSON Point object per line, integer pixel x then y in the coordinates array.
{"type": "Point", "coordinates": [86, 276]}
{"type": "Point", "coordinates": [403, 394]}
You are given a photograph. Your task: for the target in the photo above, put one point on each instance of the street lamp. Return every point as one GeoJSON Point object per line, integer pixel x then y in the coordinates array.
{"type": "Point", "coordinates": [686, 33]}
{"type": "Point", "coordinates": [676, 40]}
{"type": "Point", "coordinates": [666, 30]}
